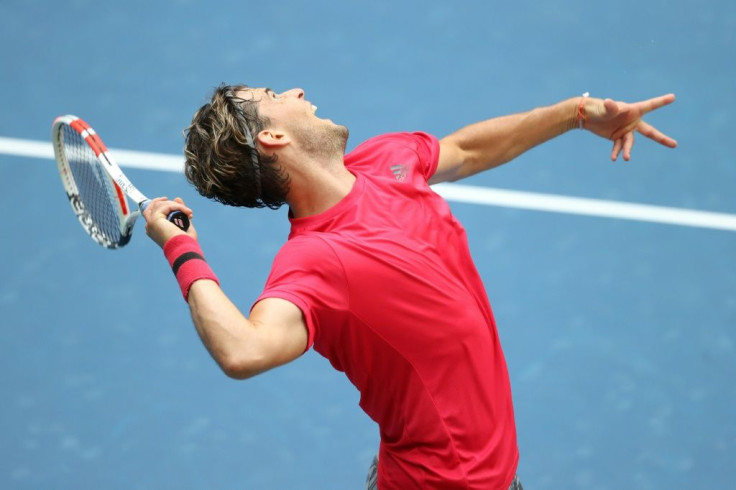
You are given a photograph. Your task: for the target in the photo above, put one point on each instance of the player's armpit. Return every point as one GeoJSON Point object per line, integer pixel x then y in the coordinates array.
{"type": "Point", "coordinates": [451, 160]}
{"type": "Point", "coordinates": [281, 330]}
{"type": "Point", "coordinates": [274, 334]}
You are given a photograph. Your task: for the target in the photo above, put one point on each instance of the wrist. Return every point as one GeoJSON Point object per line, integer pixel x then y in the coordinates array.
{"type": "Point", "coordinates": [187, 262]}
{"type": "Point", "coordinates": [579, 114]}
{"type": "Point", "coordinates": [161, 239]}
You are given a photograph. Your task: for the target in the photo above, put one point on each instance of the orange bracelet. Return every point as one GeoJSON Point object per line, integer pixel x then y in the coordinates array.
{"type": "Point", "coordinates": [581, 111]}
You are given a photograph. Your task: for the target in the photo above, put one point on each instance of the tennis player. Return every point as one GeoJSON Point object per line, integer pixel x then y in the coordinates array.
{"type": "Point", "coordinates": [376, 274]}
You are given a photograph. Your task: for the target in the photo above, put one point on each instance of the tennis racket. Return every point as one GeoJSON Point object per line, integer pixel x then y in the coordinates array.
{"type": "Point", "coordinates": [96, 186]}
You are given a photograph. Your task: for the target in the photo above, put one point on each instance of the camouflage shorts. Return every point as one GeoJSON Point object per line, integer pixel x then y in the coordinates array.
{"type": "Point", "coordinates": [372, 477]}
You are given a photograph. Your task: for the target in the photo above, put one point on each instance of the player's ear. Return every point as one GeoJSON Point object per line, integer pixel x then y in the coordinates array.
{"type": "Point", "coordinates": [273, 139]}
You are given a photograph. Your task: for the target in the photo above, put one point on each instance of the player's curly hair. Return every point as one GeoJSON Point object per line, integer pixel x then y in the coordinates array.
{"type": "Point", "coordinates": [222, 161]}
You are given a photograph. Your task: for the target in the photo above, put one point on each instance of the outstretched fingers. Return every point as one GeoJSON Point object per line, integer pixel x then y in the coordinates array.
{"type": "Point", "coordinates": [654, 134]}
{"type": "Point", "coordinates": [628, 145]}
{"type": "Point", "coordinates": [620, 121]}
{"type": "Point", "coordinates": [617, 145]}
{"type": "Point", "coordinates": [625, 143]}
{"type": "Point", "coordinates": [655, 103]}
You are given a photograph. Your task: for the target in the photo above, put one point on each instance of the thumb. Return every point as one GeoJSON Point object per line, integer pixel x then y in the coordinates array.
{"type": "Point", "coordinates": [610, 109]}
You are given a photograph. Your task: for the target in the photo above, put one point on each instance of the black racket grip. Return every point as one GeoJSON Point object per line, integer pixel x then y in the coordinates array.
{"type": "Point", "coordinates": [179, 219]}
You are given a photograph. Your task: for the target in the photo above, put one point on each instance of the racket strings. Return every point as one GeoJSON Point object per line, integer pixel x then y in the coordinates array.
{"type": "Point", "coordinates": [96, 192]}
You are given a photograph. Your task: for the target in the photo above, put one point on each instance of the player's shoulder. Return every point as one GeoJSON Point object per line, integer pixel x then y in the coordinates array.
{"type": "Point", "coordinates": [306, 256]}
{"type": "Point", "coordinates": [305, 248]}
{"type": "Point", "coordinates": [403, 138]}
{"type": "Point", "coordinates": [396, 155]}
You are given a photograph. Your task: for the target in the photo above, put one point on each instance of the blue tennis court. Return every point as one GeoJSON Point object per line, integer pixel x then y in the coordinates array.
{"type": "Point", "coordinates": [620, 333]}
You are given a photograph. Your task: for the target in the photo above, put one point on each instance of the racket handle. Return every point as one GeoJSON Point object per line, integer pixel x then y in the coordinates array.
{"type": "Point", "coordinates": [180, 219]}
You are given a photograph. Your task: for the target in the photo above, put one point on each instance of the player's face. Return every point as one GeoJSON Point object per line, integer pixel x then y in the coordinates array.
{"type": "Point", "coordinates": [281, 108]}
{"type": "Point", "coordinates": [291, 112]}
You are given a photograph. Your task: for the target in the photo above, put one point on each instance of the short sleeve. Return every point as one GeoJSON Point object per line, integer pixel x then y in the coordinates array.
{"type": "Point", "coordinates": [428, 152]}
{"type": "Point", "coordinates": [307, 273]}
{"type": "Point", "coordinates": [396, 156]}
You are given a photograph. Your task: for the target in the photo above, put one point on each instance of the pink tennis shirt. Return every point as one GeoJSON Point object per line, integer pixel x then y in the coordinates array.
{"type": "Point", "coordinates": [391, 297]}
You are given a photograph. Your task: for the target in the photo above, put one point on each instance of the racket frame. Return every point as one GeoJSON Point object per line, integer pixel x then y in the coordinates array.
{"type": "Point", "coordinates": [117, 179]}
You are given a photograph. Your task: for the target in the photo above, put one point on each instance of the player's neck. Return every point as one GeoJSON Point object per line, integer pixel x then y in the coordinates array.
{"type": "Point", "coordinates": [316, 188]}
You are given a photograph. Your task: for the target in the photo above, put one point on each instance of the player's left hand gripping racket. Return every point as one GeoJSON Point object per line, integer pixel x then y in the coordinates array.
{"type": "Point", "coordinates": [95, 185]}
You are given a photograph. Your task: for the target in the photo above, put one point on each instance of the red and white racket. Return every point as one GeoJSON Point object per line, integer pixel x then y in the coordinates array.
{"type": "Point", "coordinates": [96, 186]}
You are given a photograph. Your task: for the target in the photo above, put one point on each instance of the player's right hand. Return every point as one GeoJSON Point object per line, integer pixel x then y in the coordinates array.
{"type": "Point", "coordinates": [158, 227]}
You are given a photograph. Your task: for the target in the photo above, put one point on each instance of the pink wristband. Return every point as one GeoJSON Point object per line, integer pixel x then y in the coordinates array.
{"type": "Point", "coordinates": [187, 262]}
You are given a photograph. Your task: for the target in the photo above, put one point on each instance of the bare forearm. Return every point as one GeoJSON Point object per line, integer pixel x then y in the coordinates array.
{"type": "Point", "coordinates": [223, 329]}
{"type": "Point", "coordinates": [274, 334]}
{"type": "Point", "coordinates": [488, 144]}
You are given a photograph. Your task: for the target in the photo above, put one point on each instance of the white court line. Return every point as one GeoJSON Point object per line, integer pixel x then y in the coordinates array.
{"type": "Point", "coordinates": [451, 192]}
{"type": "Point", "coordinates": [125, 158]}
{"type": "Point", "coordinates": [588, 207]}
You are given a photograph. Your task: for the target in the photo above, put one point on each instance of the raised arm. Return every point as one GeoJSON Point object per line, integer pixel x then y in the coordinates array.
{"type": "Point", "coordinates": [488, 144]}
{"type": "Point", "coordinates": [275, 332]}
